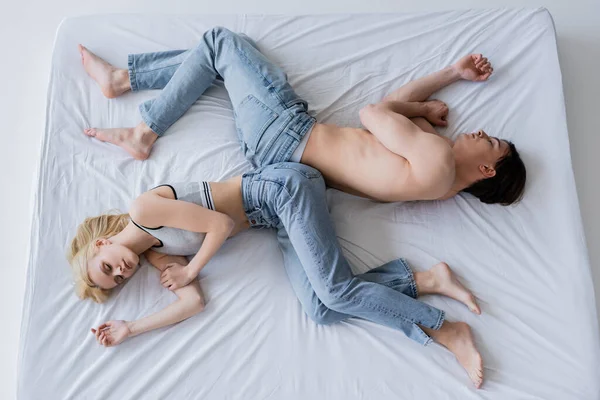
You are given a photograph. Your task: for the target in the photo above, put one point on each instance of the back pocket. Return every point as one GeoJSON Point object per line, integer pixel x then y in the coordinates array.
{"type": "Point", "coordinates": [253, 118]}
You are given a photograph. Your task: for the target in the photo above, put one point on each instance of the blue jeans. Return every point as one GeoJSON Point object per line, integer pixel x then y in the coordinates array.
{"type": "Point", "coordinates": [290, 197]}
{"type": "Point", "coordinates": [271, 119]}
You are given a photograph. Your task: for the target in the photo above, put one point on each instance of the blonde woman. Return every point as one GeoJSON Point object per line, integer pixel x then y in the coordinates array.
{"type": "Point", "coordinates": [178, 219]}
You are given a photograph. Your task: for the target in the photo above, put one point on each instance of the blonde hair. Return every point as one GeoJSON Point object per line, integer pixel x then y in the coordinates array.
{"type": "Point", "coordinates": [83, 248]}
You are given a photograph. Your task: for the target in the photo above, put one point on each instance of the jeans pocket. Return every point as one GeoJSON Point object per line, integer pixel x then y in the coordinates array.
{"type": "Point", "coordinates": [253, 118]}
{"type": "Point", "coordinates": [305, 170]}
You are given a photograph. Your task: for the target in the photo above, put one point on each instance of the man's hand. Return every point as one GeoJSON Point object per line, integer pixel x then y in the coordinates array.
{"type": "Point", "coordinates": [112, 333]}
{"type": "Point", "coordinates": [474, 67]}
{"type": "Point", "coordinates": [436, 112]}
{"type": "Point", "coordinates": [176, 276]}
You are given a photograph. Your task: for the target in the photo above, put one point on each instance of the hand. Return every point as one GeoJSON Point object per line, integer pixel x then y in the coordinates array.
{"type": "Point", "coordinates": [176, 276]}
{"type": "Point", "coordinates": [436, 112]}
{"type": "Point", "coordinates": [474, 67]}
{"type": "Point", "coordinates": [112, 333]}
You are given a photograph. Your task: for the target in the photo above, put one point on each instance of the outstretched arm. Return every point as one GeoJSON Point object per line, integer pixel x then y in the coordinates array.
{"type": "Point", "coordinates": [473, 67]}
{"type": "Point", "coordinates": [190, 302]}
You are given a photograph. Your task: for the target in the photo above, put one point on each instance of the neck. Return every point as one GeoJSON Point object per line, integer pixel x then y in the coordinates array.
{"type": "Point", "coordinates": [134, 239]}
{"type": "Point", "coordinates": [463, 177]}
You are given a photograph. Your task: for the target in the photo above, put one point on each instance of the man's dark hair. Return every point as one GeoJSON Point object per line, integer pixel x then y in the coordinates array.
{"type": "Point", "coordinates": [506, 187]}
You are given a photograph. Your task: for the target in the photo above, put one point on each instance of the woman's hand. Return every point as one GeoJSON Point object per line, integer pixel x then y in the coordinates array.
{"type": "Point", "coordinates": [436, 113]}
{"type": "Point", "coordinates": [474, 67]}
{"type": "Point", "coordinates": [176, 276]}
{"type": "Point", "coordinates": [112, 333]}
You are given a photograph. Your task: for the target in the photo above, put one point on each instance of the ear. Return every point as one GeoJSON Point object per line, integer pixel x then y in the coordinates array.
{"type": "Point", "coordinates": [102, 242]}
{"type": "Point", "coordinates": [487, 171]}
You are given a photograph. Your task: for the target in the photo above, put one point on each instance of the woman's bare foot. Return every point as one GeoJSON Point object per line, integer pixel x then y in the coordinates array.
{"type": "Point", "coordinates": [112, 81]}
{"type": "Point", "coordinates": [441, 280]}
{"type": "Point", "coordinates": [136, 141]}
{"type": "Point", "coordinates": [457, 337]}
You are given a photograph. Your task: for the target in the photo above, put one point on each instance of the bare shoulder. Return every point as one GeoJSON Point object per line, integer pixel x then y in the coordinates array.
{"type": "Point", "coordinates": [433, 176]}
{"type": "Point", "coordinates": [146, 203]}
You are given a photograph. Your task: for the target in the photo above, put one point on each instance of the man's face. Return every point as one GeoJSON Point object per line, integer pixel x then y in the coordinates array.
{"type": "Point", "coordinates": [480, 151]}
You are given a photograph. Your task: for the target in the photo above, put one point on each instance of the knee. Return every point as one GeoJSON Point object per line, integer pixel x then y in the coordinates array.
{"type": "Point", "coordinates": [218, 33]}
{"type": "Point", "coordinates": [320, 316]}
{"type": "Point", "coordinates": [332, 299]}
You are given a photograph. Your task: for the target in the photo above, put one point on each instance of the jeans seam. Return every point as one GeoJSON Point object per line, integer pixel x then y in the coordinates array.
{"type": "Point", "coordinates": [242, 54]}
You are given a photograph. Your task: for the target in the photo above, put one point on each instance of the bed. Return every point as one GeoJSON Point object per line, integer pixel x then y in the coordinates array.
{"type": "Point", "coordinates": [527, 264]}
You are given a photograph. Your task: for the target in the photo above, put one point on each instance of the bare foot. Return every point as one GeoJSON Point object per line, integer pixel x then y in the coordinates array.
{"type": "Point", "coordinates": [136, 141]}
{"type": "Point", "coordinates": [112, 81]}
{"type": "Point", "coordinates": [442, 281]}
{"type": "Point", "coordinates": [457, 337]}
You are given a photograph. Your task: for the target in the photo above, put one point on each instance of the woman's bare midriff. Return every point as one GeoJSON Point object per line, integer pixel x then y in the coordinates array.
{"type": "Point", "coordinates": [353, 160]}
{"type": "Point", "coordinates": [227, 197]}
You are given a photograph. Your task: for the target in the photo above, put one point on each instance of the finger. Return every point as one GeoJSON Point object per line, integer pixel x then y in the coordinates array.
{"type": "Point", "coordinates": [479, 64]}
{"type": "Point", "coordinates": [93, 330]}
{"type": "Point", "coordinates": [484, 77]}
{"type": "Point", "coordinates": [103, 326]}
{"type": "Point", "coordinates": [476, 57]}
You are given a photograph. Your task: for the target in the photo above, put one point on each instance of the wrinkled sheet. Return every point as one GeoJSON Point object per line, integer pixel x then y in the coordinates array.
{"type": "Point", "coordinates": [527, 264]}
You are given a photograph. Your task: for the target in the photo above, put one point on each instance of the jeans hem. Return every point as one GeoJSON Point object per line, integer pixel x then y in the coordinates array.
{"type": "Point", "coordinates": [146, 118]}
{"type": "Point", "coordinates": [413, 283]}
{"type": "Point", "coordinates": [131, 71]}
{"type": "Point", "coordinates": [440, 321]}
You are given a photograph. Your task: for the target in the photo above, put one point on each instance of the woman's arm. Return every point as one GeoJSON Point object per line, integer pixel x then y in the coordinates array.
{"type": "Point", "coordinates": [190, 302]}
{"type": "Point", "coordinates": [152, 209]}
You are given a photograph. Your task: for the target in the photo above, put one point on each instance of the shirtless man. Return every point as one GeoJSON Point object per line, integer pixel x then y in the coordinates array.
{"type": "Point", "coordinates": [398, 157]}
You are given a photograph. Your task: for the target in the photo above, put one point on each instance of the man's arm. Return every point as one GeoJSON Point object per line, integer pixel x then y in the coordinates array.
{"type": "Point", "coordinates": [473, 67]}
{"type": "Point", "coordinates": [429, 160]}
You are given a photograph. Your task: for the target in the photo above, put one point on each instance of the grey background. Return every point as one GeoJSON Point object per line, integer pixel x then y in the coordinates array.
{"type": "Point", "coordinates": [27, 31]}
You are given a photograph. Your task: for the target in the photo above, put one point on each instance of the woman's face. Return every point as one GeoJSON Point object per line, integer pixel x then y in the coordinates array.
{"type": "Point", "coordinates": [112, 264]}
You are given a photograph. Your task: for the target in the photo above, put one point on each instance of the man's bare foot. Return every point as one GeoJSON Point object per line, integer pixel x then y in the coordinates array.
{"type": "Point", "coordinates": [112, 81]}
{"type": "Point", "coordinates": [136, 141]}
{"type": "Point", "coordinates": [457, 337]}
{"type": "Point", "coordinates": [441, 280]}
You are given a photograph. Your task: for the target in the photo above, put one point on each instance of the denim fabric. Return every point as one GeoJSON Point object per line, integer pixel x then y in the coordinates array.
{"type": "Point", "coordinates": [270, 117]}
{"type": "Point", "coordinates": [290, 198]}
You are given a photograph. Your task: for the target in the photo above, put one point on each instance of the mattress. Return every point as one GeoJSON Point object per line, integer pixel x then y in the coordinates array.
{"type": "Point", "coordinates": [527, 264]}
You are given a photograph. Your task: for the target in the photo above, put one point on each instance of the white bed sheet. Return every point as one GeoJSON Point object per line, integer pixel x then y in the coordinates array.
{"type": "Point", "coordinates": [527, 264]}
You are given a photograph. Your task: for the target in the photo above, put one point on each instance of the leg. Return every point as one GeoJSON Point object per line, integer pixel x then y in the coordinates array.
{"type": "Point", "coordinates": [259, 91]}
{"type": "Point", "coordinates": [263, 101]}
{"type": "Point", "coordinates": [295, 194]}
{"type": "Point", "coordinates": [145, 71]}
{"type": "Point", "coordinates": [395, 274]}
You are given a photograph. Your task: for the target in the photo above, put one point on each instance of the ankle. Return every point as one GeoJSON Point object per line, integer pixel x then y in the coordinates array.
{"type": "Point", "coordinates": [121, 79]}
{"type": "Point", "coordinates": [143, 134]}
{"type": "Point", "coordinates": [425, 281]}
